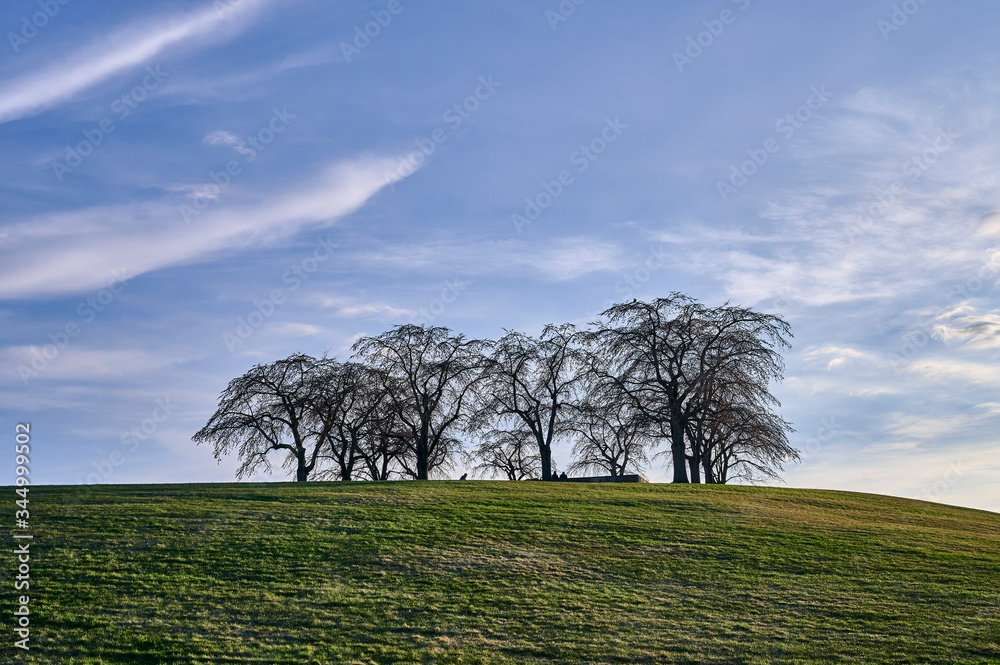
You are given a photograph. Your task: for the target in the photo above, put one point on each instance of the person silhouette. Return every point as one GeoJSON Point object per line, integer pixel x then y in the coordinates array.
{"type": "Point", "coordinates": [464, 475]}
{"type": "Point", "coordinates": [562, 476]}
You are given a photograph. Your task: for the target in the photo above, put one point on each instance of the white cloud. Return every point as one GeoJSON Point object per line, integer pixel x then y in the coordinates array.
{"type": "Point", "coordinates": [199, 190]}
{"type": "Point", "coordinates": [991, 409]}
{"type": "Point", "coordinates": [222, 137]}
{"type": "Point", "coordinates": [128, 47]}
{"type": "Point", "coordinates": [838, 356]}
{"type": "Point", "coordinates": [562, 259]}
{"type": "Point", "coordinates": [938, 145]}
{"type": "Point", "coordinates": [924, 428]}
{"type": "Point", "coordinates": [974, 330]}
{"type": "Point", "coordinates": [374, 309]}
{"type": "Point", "coordinates": [572, 257]}
{"type": "Point", "coordinates": [80, 363]}
{"type": "Point", "coordinates": [76, 251]}
{"type": "Point", "coordinates": [873, 392]}
{"type": "Point", "coordinates": [989, 226]}
{"type": "Point", "coordinates": [296, 329]}
{"type": "Point", "coordinates": [962, 474]}
{"type": "Point", "coordinates": [963, 372]}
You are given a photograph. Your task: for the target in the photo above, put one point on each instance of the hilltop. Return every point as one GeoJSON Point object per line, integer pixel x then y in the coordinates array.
{"type": "Point", "coordinates": [491, 572]}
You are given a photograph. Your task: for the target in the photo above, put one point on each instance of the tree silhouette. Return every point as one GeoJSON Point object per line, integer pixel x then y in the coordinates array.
{"type": "Point", "coordinates": [665, 356]}
{"type": "Point", "coordinates": [611, 437]}
{"type": "Point", "coordinates": [427, 373]}
{"type": "Point", "coordinates": [345, 399]}
{"type": "Point", "coordinates": [512, 453]}
{"type": "Point", "coordinates": [668, 370]}
{"type": "Point", "coordinates": [527, 385]}
{"type": "Point", "coordinates": [266, 409]}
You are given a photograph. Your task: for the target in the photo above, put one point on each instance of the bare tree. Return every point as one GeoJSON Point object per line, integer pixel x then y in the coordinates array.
{"type": "Point", "coordinates": [344, 399]}
{"type": "Point", "coordinates": [428, 374]}
{"type": "Point", "coordinates": [611, 437]}
{"type": "Point", "coordinates": [662, 355]}
{"type": "Point", "coordinates": [385, 442]}
{"type": "Point", "coordinates": [736, 430]}
{"type": "Point", "coordinates": [528, 383]}
{"type": "Point", "coordinates": [734, 399]}
{"type": "Point", "coordinates": [747, 443]}
{"type": "Point", "coordinates": [512, 453]}
{"type": "Point", "coordinates": [266, 409]}
{"type": "Point", "coordinates": [644, 353]}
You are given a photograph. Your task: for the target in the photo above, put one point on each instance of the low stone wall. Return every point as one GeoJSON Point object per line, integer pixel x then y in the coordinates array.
{"type": "Point", "coordinates": [633, 478]}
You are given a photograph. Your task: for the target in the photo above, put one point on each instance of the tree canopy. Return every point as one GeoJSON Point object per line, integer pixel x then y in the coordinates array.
{"type": "Point", "coordinates": [671, 373]}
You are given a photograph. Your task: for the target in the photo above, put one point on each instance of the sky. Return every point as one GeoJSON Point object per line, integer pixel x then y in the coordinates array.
{"type": "Point", "coordinates": [191, 188]}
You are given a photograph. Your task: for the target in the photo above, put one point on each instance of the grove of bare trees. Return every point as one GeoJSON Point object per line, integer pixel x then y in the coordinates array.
{"type": "Point", "coordinates": [667, 379]}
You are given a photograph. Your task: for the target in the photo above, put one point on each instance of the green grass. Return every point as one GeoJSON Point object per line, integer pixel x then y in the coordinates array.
{"type": "Point", "coordinates": [482, 572]}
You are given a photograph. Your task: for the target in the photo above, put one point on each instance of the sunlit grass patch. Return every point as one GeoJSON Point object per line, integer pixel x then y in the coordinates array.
{"type": "Point", "coordinates": [483, 572]}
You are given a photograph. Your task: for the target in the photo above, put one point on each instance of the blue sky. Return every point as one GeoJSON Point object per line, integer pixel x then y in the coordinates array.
{"type": "Point", "coordinates": [192, 188]}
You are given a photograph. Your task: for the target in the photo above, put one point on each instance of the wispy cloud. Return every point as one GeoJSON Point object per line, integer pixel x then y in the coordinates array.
{"type": "Point", "coordinates": [973, 329]}
{"type": "Point", "coordinates": [76, 251]}
{"type": "Point", "coordinates": [232, 85]}
{"type": "Point", "coordinates": [296, 329]}
{"type": "Point", "coordinates": [887, 200]}
{"type": "Point", "coordinates": [959, 474]}
{"type": "Point", "coordinates": [562, 259]}
{"type": "Point", "coordinates": [87, 363]}
{"type": "Point", "coordinates": [195, 191]}
{"type": "Point", "coordinates": [914, 429]}
{"type": "Point", "coordinates": [835, 356]}
{"type": "Point", "coordinates": [222, 137]}
{"type": "Point", "coordinates": [375, 310]}
{"type": "Point", "coordinates": [129, 46]}
{"type": "Point", "coordinates": [958, 371]}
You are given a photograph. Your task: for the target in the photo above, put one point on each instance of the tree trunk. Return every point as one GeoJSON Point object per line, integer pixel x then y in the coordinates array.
{"type": "Point", "coordinates": [706, 465]}
{"type": "Point", "coordinates": [352, 457]}
{"type": "Point", "coordinates": [677, 452]}
{"type": "Point", "coordinates": [694, 463]}
{"type": "Point", "coordinates": [301, 473]}
{"type": "Point", "coordinates": [546, 454]}
{"type": "Point", "coordinates": [421, 461]}
{"type": "Point", "coordinates": [422, 452]}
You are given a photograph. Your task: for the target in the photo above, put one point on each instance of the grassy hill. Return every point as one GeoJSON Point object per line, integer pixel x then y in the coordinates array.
{"type": "Point", "coordinates": [481, 572]}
